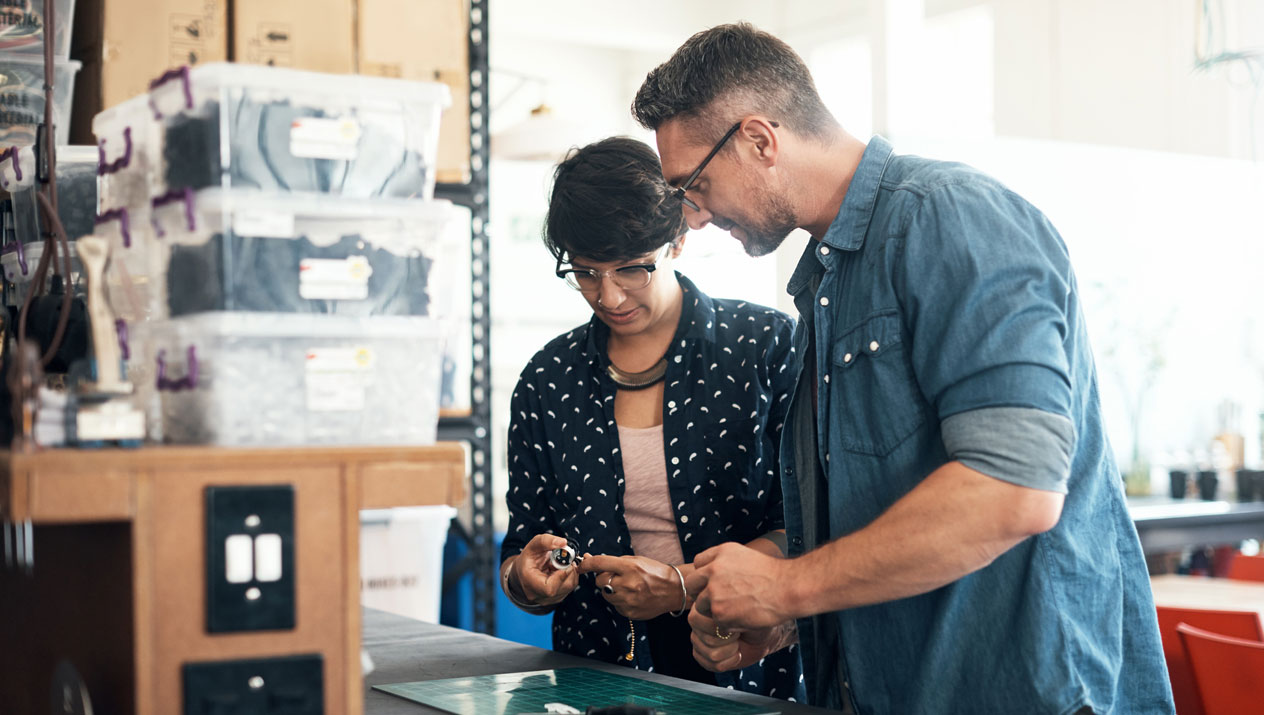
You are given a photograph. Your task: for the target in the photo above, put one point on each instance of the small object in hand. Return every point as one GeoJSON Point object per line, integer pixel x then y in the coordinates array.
{"type": "Point", "coordinates": [722, 636]}
{"type": "Point", "coordinates": [564, 557]}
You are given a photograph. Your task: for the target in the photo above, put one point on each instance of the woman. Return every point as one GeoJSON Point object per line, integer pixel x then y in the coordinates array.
{"type": "Point", "coordinates": [645, 436]}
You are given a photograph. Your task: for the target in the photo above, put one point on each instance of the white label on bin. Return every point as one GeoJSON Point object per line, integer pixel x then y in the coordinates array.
{"type": "Point", "coordinates": [263, 224]}
{"type": "Point", "coordinates": [336, 378]}
{"type": "Point", "coordinates": [334, 278]}
{"type": "Point", "coordinates": [319, 138]}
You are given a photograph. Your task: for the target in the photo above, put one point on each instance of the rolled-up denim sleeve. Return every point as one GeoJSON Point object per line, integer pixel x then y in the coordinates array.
{"type": "Point", "coordinates": [986, 284]}
{"type": "Point", "coordinates": [1030, 448]}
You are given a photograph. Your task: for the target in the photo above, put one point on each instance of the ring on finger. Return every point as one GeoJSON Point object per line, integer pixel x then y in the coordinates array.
{"type": "Point", "coordinates": [722, 636]}
{"type": "Point", "coordinates": [608, 588]}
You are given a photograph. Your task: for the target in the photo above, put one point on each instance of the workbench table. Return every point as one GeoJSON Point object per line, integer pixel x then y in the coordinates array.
{"type": "Point", "coordinates": [404, 650]}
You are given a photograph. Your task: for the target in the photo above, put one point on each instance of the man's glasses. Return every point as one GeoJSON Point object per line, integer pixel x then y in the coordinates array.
{"type": "Point", "coordinates": [588, 280]}
{"type": "Point", "coordinates": [679, 193]}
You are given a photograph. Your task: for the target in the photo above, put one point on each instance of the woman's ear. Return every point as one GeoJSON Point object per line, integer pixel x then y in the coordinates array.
{"type": "Point", "coordinates": [677, 246]}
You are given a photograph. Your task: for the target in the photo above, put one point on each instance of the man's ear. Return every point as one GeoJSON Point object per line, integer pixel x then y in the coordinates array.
{"type": "Point", "coordinates": [761, 132]}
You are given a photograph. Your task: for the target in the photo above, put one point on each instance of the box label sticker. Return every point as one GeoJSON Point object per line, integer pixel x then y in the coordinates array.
{"type": "Point", "coordinates": [336, 378]}
{"type": "Point", "coordinates": [334, 278]}
{"type": "Point", "coordinates": [263, 224]}
{"type": "Point", "coordinates": [320, 138]}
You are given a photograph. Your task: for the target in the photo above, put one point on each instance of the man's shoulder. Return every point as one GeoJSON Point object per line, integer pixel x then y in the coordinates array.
{"type": "Point", "coordinates": [916, 178]}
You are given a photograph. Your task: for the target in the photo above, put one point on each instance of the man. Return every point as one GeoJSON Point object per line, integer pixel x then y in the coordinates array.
{"type": "Point", "coordinates": [958, 534]}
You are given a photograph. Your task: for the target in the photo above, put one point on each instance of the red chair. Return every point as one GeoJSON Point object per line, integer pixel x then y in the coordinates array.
{"type": "Point", "coordinates": [1247, 568]}
{"type": "Point", "coordinates": [1236, 624]}
{"type": "Point", "coordinates": [1229, 671]}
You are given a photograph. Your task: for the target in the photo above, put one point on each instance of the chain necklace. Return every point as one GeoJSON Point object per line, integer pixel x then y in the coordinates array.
{"type": "Point", "coordinates": [631, 649]}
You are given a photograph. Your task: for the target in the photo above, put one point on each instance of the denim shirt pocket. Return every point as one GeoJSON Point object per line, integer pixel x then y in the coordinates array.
{"type": "Point", "coordinates": [875, 403]}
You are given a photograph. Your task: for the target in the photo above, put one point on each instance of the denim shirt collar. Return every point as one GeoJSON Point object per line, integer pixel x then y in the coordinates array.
{"type": "Point", "coordinates": [847, 232]}
{"type": "Point", "coordinates": [697, 322]}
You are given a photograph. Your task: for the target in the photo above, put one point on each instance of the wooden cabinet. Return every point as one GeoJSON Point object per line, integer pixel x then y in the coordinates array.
{"type": "Point", "coordinates": [119, 579]}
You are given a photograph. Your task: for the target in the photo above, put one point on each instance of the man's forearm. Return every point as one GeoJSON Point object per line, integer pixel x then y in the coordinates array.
{"type": "Point", "coordinates": [773, 543]}
{"type": "Point", "coordinates": [955, 522]}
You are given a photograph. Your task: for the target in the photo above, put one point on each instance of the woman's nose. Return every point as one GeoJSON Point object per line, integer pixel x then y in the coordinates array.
{"type": "Point", "coordinates": [609, 295]}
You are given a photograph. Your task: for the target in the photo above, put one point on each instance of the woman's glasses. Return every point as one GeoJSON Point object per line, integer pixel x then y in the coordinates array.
{"type": "Point", "coordinates": [630, 277]}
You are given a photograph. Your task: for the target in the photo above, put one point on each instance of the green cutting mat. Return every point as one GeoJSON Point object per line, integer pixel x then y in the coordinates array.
{"type": "Point", "coordinates": [513, 693]}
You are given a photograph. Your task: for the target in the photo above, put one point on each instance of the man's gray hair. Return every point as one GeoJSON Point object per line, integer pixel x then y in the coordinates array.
{"type": "Point", "coordinates": [727, 72]}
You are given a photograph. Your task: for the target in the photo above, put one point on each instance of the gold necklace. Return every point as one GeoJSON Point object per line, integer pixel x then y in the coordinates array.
{"type": "Point", "coordinates": [638, 380]}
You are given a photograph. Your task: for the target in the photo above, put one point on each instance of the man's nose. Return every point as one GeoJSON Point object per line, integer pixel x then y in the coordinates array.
{"type": "Point", "coordinates": [697, 219]}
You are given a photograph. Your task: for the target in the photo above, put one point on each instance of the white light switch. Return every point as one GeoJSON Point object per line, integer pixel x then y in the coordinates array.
{"type": "Point", "coordinates": [238, 558]}
{"type": "Point", "coordinates": [268, 557]}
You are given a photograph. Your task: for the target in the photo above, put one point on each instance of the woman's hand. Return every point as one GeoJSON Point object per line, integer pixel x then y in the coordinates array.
{"type": "Point", "coordinates": [720, 650]}
{"type": "Point", "coordinates": [640, 588]}
{"type": "Point", "coordinates": [541, 584]}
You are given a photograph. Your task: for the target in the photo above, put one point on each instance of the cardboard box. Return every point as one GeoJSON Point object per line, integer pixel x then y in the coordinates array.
{"type": "Point", "coordinates": [316, 35]}
{"type": "Point", "coordinates": [124, 44]}
{"type": "Point", "coordinates": [424, 40]}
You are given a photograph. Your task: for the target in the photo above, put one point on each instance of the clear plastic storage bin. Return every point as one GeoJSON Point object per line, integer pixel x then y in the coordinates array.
{"type": "Point", "coordinates": [19, 262]}
{"type": "Point", "coordinates": [218, 250]}
{"type": "Point", "coordinates": [128, 287]}
{"type": "Point", "coordinates": [76, 190]}
{"type": "Point", "coordinates": [283, 130]}
{"type": "Point", "coordinates": [7, 234]}
{"type": "Point", "coordinates": [23, 27]}
{"type": "Point", "coordinates": [128, 148]}
{"type": "Point", "coordinates": [22, 97]}
{"type": "Point", "coordinates": [263, 379]}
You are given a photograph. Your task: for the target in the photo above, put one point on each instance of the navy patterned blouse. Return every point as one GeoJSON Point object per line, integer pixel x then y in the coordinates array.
{"type": "Point", "coordinates": [730, 369]}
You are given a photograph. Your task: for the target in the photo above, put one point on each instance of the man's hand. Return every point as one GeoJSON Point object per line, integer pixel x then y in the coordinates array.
{"type": "Point", "coordinates": [739, 587]}
{"type": "Point", "coordinates": [642, 587]}
{"type": "Point", "coordinates": [740, 648]}
{"type": "Point", "coordinates": [540, 583]}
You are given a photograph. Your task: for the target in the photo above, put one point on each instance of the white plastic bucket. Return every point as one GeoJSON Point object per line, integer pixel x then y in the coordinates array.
{"type": "Point", "coordinates": [401, 559]}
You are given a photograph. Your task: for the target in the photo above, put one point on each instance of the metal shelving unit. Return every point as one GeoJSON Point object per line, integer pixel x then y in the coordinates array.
{"type": "Point", "coordinates": [475, 429]}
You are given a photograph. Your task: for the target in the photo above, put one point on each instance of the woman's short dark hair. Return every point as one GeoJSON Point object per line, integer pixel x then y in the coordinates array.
{"type": "Point", "coordinates": [609, 203]}
{"type": "Point", "coordinates": [727, 72]}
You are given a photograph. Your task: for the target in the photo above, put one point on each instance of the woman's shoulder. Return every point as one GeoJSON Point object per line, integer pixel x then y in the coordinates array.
{"type": "Point", "coordinates": [739, 315]}
{"type": "Point", "coordinates": [563, 351]}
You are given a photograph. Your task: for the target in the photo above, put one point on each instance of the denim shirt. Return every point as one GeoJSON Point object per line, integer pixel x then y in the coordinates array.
{"type": "Point", "coordinates": [729, 371]}
{"type": "Point", "coordinates": [934, 292]}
